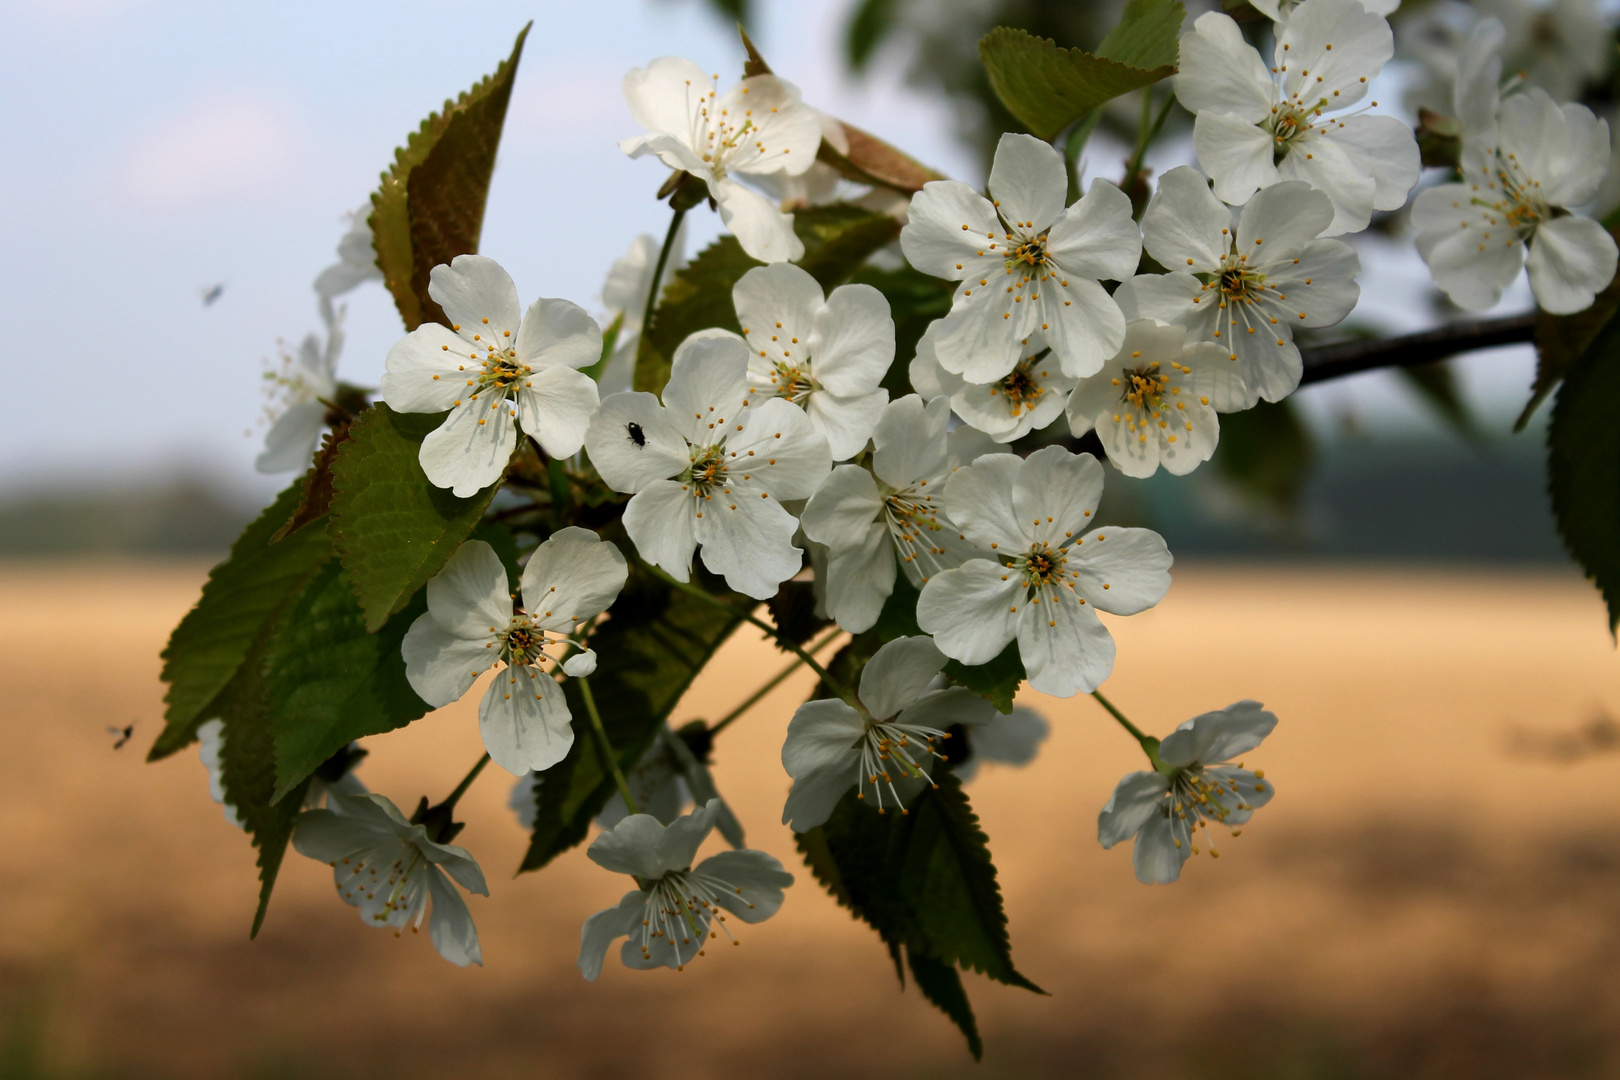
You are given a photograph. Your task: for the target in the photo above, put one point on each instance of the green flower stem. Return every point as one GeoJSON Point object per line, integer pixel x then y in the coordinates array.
{"type": "Point", "coordinates": [1150, 745]}
{"type": "Point", "coordinates": [604, 747]}
{"type": "Point", "coordinates": [1148, 131]}
{"type": "Point", "coordinates": [1074, 146]}
{"type": "Point", "coordinates": [658, 271]}
{"type": "Point", "coordinates": [776, 680]}
{"type": "Point", "coordinates": [466, 782]}
{"type": "Point", "coordinates": [793, 647]}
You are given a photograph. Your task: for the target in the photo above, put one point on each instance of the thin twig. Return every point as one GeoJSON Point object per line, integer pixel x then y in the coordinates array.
{"type": "Point", "coordinates": [776, 680]}
{"type": "Point", "coordinates": [658, 271]}
{"type": "Point", "coordinates": [1352, 357]}
{"type": "Point", "coordinates": [604, 747]}
{"type": "Point", "coordinates": [466, 782]}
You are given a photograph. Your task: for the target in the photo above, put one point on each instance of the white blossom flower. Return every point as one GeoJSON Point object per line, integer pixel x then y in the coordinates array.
{"type": "Point", "coordinates": [1163, 810]}
{"type": "Point", "coordinates": [818, 185]}
{"type": "Point", "coordinates": [1025, 262]}
{"type": "Point", "coordinates": [1256, 127]}
{"type": "Point", "coordinates": [489, 371]}
{"type": "Point", "coordinates": [1563, 46]}
{"type": "Point", "coordinates": [677, 907]}
{"type": "Point", "coordinates": [1026, 399]}
{"type": "Point", "coordinates": [826, 355]}
{"type": "Point", "coordinates": [210, 748]}
{"type": "Point", "coordinates": [1244, 289]}
{"type": "Point", "coordinates": [888, 748]}
{"type": "Point", "coordinates": [1525, 161]}
{"type": "Point", "coordinates": [1013, 740]}
{"type": "Point", "coordinates": [1280, 10]}
{"type": "Point", "coordinates": [1044, 578]}
{"type": "Point", "coordinates": [760, 126]}
{"type": "Point", "coordinates": [868, 520]}
{"type": "Point", "coordinates": [1156, 402]}
{"type": "Point", "coordinates": [322, 783]}
{"type": "Point", "coordinates": [624, 294]}
{"type": "Point", "coordinates": [357, 259]}
{"type": "Point", "coordinates": [388, 868]}
{"type": "Point", "coordinates": [304, 386]}
{"type": "Point", "coordinates": [471, 625]}
{"type": "Point", "coordinates": [708, 468]}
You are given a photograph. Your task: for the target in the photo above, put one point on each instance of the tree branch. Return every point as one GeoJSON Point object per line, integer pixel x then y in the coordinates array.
{"type": "Point", "coordinates": [1352, 357]}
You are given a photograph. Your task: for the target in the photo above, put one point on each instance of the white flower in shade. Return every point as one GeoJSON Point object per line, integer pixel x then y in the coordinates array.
{"type": "Point", "coordinates": [1026, 399]}
{"type": "Point", "coordinates": [869, 520]}
{"type": "Point", "coordinates": [304, 386]}
{"type": "Point", "coordinates": [709, 468]}
{"type": "Point", "coordinates": [1562, 46]}
{"type": "Point", "coordinates": [1525, 161]}
{"type": "Point", "coordinates": [677, 907]}
{"type": "Point", "coordinates": [210, 748]}
{"type": "Point", "coordinates": [1013, 740]}
{"type": "Point", "coordinates": [494, 368]}
{"type": "Point", "coordinates": [1026, 262]}
{"type": "Point", "coordinates": [471, 625]}
{"type": "Point", "coordinates": [1244, 289]}
{"type": "Point", "coordinates": [886, 750]}
{"type": "Point", "coordinates": [759, 127]}
{"type": "Point", "coordinates": [1257, 126]}
{"type": "Point", "coordinates": [1156, 402]}
{"type": "Point", "coordinates": [826, 355]}
{"type": "Point", "coordinates": [388, 868]}
{"type": "Point", "coordinates": [1280, 10]}
{"type": "Point", "coordinates": [624, 294]}
{"type": "Point", "coordinates": [1045, 577]}
{"type": "Point", "coordinates": [357, 259]}
{"type": "Point", "coordinates": [322, 783]}
{"type": "Point", "coordinates": [1163, 810]}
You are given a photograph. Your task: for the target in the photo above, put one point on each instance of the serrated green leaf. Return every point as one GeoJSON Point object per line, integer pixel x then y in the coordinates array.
{"type": "Point", "coordinates": [1048, 88]}
{"type": "Point", "coordinates": [1563, 339]}
{"type": "Point", "coordinates": [1583, 466]}
{"type": "Point", "coordinates": [391, 527]}
{"type": "Point", "coordinates": [430, 207]}
{"type": "Point", "coordinates": [651, 649]}
{"type": "Point", "coordinates": [998, 680]}
{"type": "Point", "coordinates": [328, 682]}
{"type": "Point", "coordinates": [242, 595]}
{"type": "Point", "coordinates": [942, 986]}
{"type": "Point", "coordinates": [837, 240]}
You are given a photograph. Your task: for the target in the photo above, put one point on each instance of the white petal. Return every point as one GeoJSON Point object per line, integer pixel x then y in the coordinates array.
{"type": "Point", "coordinates": [659, 520]}
{"type": "Point", "coordinates": [1467, 267]}
{"type": "Point", "coordinates": [1082, 323]}
{"type": "Point", "coordinates": [1332, 51]}
{"type": "Point", "coordinates": [469, 597]}
{"type": "Point", "coordinates": [290, 442]}
{"type": "Point", "coordinates": [1579, 175]}
{"type": "Point", "coordinates": [555, 406]}
{"type": "Point", "coordinates": [1065, 649]}
{"type": "Point", "coordinates": [780, 448]}
{"type": "Point", "coordinates": [860, 579]}
{"type": "Point", "coordinates": [1121, 571]}
{"type": "Point", "coordinates": [1322, 283]}
{"type": "Point", "coordinates": [1571, 260]}
{"type": "Point", "coordinates": [626, 463]}
{"type": "Point", "coordinates": [844, 509]}
{"type": "Point", "coordinates": [668, 95]}
{"type": "Point", "coordinates": [1183, 225]}
{"type": "Point", "coordinates": [1218, 736]}
{"type": "Point", "coordinates": [580, 664]}
{"type": "Point", "coordinates": [428, 369]}
{"type": "Point", "coordinates": [1136, 798]}
{"type": "Point", "coordinates": [1319, 161]}
{"type": "Point", "coordinates": [909, 442]}
{"type": "Point", "coordinates": [1009, 740]}
{"type": "Point", "coordinates": [708, 384]}
{"type": "Point", "coordinates": [749, 541]}
{"type": "Point", "coordinates": [942, 709]}
{"type": "Point", "coordinates": [1278, 223]}
{"type": "Point", "coordinates": [898, 674]}
{"type": "Point", "coordinates": [471, 449]}
{"type": "Point", "coordinates": [1236, 154]}
{"type": "Point", "coordinates": [606, 926]}
{"type": "Point", "coordinates": [971, 611]}
{"type": "Point", "coordinates": [1220, 73]}
{"type": "Point", "coordinates": [1055, 492]}
{"type": "Point", "coordinates": [572, 577]}
{"type": "Point", "coordinates": [763, 230]}
{"type": "Point", "coordinates": [1096, 237]}
{"type": "Point", "coordinates": [822, 734]}
{"type": "Point", "coordinates": [946, 224]}
{"type": "Point", "coordinates": [450, 926]}
{"type": "Point", "coordinates": [441, 666]}
{"type": "Point", "coordinates": [525, 722]}
{"type": "Point", "coordinates": [756, 881]}
{"type": "Point", "coordinates": [785, 133]}
{"type": "Point", "coordinates": [852, 342]}
{"type": "Point", "coordinates": [845, 422]}
{"type": "Point", "coordinates": [981, 339]}
{"type": "Point", "coordinates": [1156, 857]}
{"type": "Point", "coordinates": [776, 307]}
{"type": "Point", "coordinates": [979, 498]}
{"type": "Point", "coordinates": [1027, 182]}
{"type": "Point", "coordinates": [1381, 147]}
{"type": "Point", "coordinates": [631, 847]}
{"type": "Point", "coordinates": [478, 296]}
{"type": "Point", "coordinates": [558, 333]}
{"type": "Point", "coordinates": [1171, 298]}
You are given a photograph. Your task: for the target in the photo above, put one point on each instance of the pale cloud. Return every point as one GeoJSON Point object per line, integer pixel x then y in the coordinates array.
{"type": "Point", "coordinates": [214, 149]}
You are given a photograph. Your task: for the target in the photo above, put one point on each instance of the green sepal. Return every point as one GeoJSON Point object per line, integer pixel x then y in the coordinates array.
{"type": "Point", "coordinates": [997, 680]}
{"type": "Point", "coordinates": [430, 207]}
{"type": "Point", "coordinates": [1583, 465]}
{"type": "Point", "coordinates": [242, 595]}
{"type": "Point", "coordinates": [392, 528]}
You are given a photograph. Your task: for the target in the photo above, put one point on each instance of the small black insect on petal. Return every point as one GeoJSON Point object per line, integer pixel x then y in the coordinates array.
{"type": "Point", "coordinates": [637, 436]}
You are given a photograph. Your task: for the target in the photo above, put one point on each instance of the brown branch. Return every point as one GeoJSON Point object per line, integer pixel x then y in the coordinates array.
{"type": "Point", "coordinates": [1352, 357]}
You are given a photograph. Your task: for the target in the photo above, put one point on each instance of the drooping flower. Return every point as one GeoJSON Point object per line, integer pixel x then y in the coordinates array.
{"type": "Point", "coordinates": [304, 386]}
{"type": "Point", "coordinates": [886, 751]}
{"type": "Point", "coordinates": [357, 259]}
{"type": "Point", "coordinates": [388, 868]}
{"type": "Point", "coordinates": [1525, 161]}
{"type": "Point", "coordinates": [1039, 578]}
{"type": "Point", "coordinates": [1026, 263]}
{"type": "Point", "coordinates": [1244, 289]}
{"type": "Point", "coordinates": [826, 355]}
{"type": "Point", "coordinates": [1199, 785]}
{"type": "Point", "coordinates": [707, 467]}
{"type": "Point", "coordinates": [1156, 402]}
{"type": "Point", "coordinates": [677, 907]}
{"type": "Point", "coordinates": [333, 777]}
{"type": "Point", "coordinates": [471, 625]}
{"type": "Point", "coordinates": [495, 369]}
{"type": "Point", "coordinates": [1012, 740]}
{"type": "Point", "coordinates": [624, 294]}
{"type": "Point", "coordinates": [1256, 127]}
{"type": "Point", "coordinates": [759, 127]}
{"type": "Point", "coordinates": [869, 520]}
{"type": "Point", "coordinates": [1026, 399]}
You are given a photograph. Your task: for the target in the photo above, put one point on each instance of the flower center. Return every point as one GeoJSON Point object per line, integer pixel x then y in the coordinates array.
{"type": "Point", "coordinates": [1196, 798]}
{"type": "Point", "coordinates": [719, 134]}
{"type": "Point", "coordinates": [1522, 205]}
{"type": "Point", "coordinates": [891, 751]}
{"type": "Point", "coordinates": [1030, 251]}
{"type": "Point", "coordinates": [913, 519]}
{"type": "Point", "coordinates": [502, 372]}
{"type": "Point", "coordinates": [1020, 389]}
{"type": "Point", "coordinates": [1042, 566]}
{"type": "Point", "coordinates": [679, 913]}
{"type": "Point", "coordinates": [522, 642]}
{"type": "Point", "coordinates": [708, 467]}
{"type": "Point", "coordinates": [1148, 401]}
{"type": "Point", "coordinates": [1288, 123]}
{"type": "Point", "coordinates": [794, 383]}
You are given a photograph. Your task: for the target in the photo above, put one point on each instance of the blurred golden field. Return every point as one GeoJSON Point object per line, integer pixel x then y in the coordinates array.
{"type": "Point", "coordinates": [1435, 892]}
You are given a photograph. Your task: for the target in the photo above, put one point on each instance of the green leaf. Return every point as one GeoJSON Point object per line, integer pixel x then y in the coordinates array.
{"type": "Point", "coordinates": [899, 615]}
{"type": "Point", "coordinates": [868, 25]}
{"type": "Point", "coordinates": [1267, 453]}
{"type": "Point", "coordinates": [328, 682]}
{"type": "Point", "coordinates": [241, 597]}
{"type": "Point", "coordinates": [998, 680]}
{"type": "Point", "coordinates": [942, 986]}
{"type": "Point", "coordinates": [1436, 384]}
{"type": "Point", "coordinates": [248, 768]}
{"type": "Point", "coordinates": [837, 240]}
{"type": "Point", "coordinates": [915, 300]}
{"type": "Point", "coordinates": [391, 527]}
{"type": "Point", "coordinates": [1048, 88]}
{"type": "Point", "coordinates": [651, 649]}
{"type": "Point", "coordinates": [1563, 339]}
{"type": "Point", "coordinates": [1583, 465]}
{"type": "Point", "coordinates": [430, 207]}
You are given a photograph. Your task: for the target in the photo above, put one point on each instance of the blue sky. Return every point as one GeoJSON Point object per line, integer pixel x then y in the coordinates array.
{"type": "Point", "coordinates": [163, 146]}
